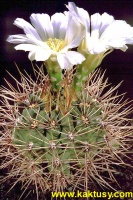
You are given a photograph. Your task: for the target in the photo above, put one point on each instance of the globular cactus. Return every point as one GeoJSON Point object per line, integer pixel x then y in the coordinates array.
{"type": "Point", "coordinates": [69, 129]}
{"type": "Point", "coordinates": [55, 143]}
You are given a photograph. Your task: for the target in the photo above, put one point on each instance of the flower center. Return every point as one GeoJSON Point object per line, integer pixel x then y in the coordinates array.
{"type": "Point", "coordinates": [55, 44]}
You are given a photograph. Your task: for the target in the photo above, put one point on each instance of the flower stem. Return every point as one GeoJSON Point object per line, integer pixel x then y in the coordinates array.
{"type": "Point", "coordinates": [55, 74]}
{"type": "Point", "coordinates": [83, 70]}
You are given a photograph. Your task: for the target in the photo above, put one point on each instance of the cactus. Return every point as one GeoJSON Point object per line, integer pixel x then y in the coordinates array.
{"type": "Point", "coordinates": [56, 144]}
{"type": "Point", "coordinates": [66, 129]}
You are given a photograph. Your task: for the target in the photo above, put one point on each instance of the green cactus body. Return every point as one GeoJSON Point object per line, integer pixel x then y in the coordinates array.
{"type": "Point", "coordinates": [59, 145]}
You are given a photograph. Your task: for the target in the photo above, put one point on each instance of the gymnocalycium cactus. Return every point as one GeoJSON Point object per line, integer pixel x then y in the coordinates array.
{"type": "Point", "coordinates": [62, 130]}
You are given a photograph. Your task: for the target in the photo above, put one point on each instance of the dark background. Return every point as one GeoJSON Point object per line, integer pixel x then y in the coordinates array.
{"type": "Point", "coordinates": [119, 65]}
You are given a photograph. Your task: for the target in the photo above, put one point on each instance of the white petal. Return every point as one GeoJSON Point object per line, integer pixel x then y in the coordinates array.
{"type": "Point", "coordinates": [80, 14]}
{"type": "Point", "coordinates": [85, 17]}
{"type": "Point", "coordinates": [75, 33]}
{"type": "Point", "coordinates": [20, 38]}
{"type": "Point", "coordinates": [118, 34]}
{"type": "Point", "coordinates": [96, 46]}
{"type": "Point", "coordinates": [31, 56]}
{"type": "Point", "coordinates": [59, 23]}
{"type": "Point", "coordinates": [64, 62]}
{"type": "Point", "coordinates": [43, 25]}
{"type": "Point", "coordinates": [106, 21]}
{"type": "Point", "coordinates": [73, 9]}
{"type": "Point", "coordinates": [38, 42]}
{"type": "Point", "coordinates": [77, 25]}
{"type": "Point", "coordinates": [96, 22]}
{"type": "Point", "coordinates": [118, 29]}
{"type": "Point", "coordinates": [42, 55]}
{"type": "Point", "coordinates": [118, 44]}
{"type": "Point", "coordinates": [75, 57]}
{"type": "Point", "coordinates": [26, 47]}
{"type": "Point", "coordinates": [27, 27]}
{"type": "Point", "coordinates": [36, 52]}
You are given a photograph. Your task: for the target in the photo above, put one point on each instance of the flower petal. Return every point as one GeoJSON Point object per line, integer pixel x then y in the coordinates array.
{"type": "Point", "coordinates": [96, 46]}
{"type": "Point", "coordinates": [64, 62]}
{"type": "Point", "coordinates": [20, 38]}
{"type": "Point", "coordinates": [75, 57]}
{"type": "Point", "coordinates": [42, 54]}
{"type": "Point", "coordinates": [80, 14]}
{"type": "Point", "coordinates": [59, 23]}
{"type": "Point", "coordinates": [26, 47]}
{"type": "Point", "coordinates": [96, 23]}
{"type": "Point", "coordinates": [106, 21]}
{"type": "Point", "coordinates": [76, 28]}
{"type": "Point", "coordinates": [36, 52]}
{"type": "Point", "coordinates": [118, 34]}
{"type": "Point", "coordinates": [75, 33]}
{"type": "Point", "coordinates": [31, 55]}
{"type": "Point", "coordinates": [69, 59]}
{"type": "Point", "coordinates": [118, 44]}
{"type": "Point", "coordinates": [27, 27]}
{"type": "Point", "coordinates": [43, 25]}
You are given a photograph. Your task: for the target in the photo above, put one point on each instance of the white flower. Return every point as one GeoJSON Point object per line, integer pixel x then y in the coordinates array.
{"type": "Point", "coordinates": [103, 32]}
{"type": "Point", "coordinates": [50, 38]}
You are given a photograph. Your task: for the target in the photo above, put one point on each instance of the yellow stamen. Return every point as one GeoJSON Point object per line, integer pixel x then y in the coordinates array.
{"type": "Point", "coordinates": [55, 44]}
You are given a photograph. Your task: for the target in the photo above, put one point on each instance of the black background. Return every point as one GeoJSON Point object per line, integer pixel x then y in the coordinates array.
{"type": "Point", "coordinates": [119, 65]}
